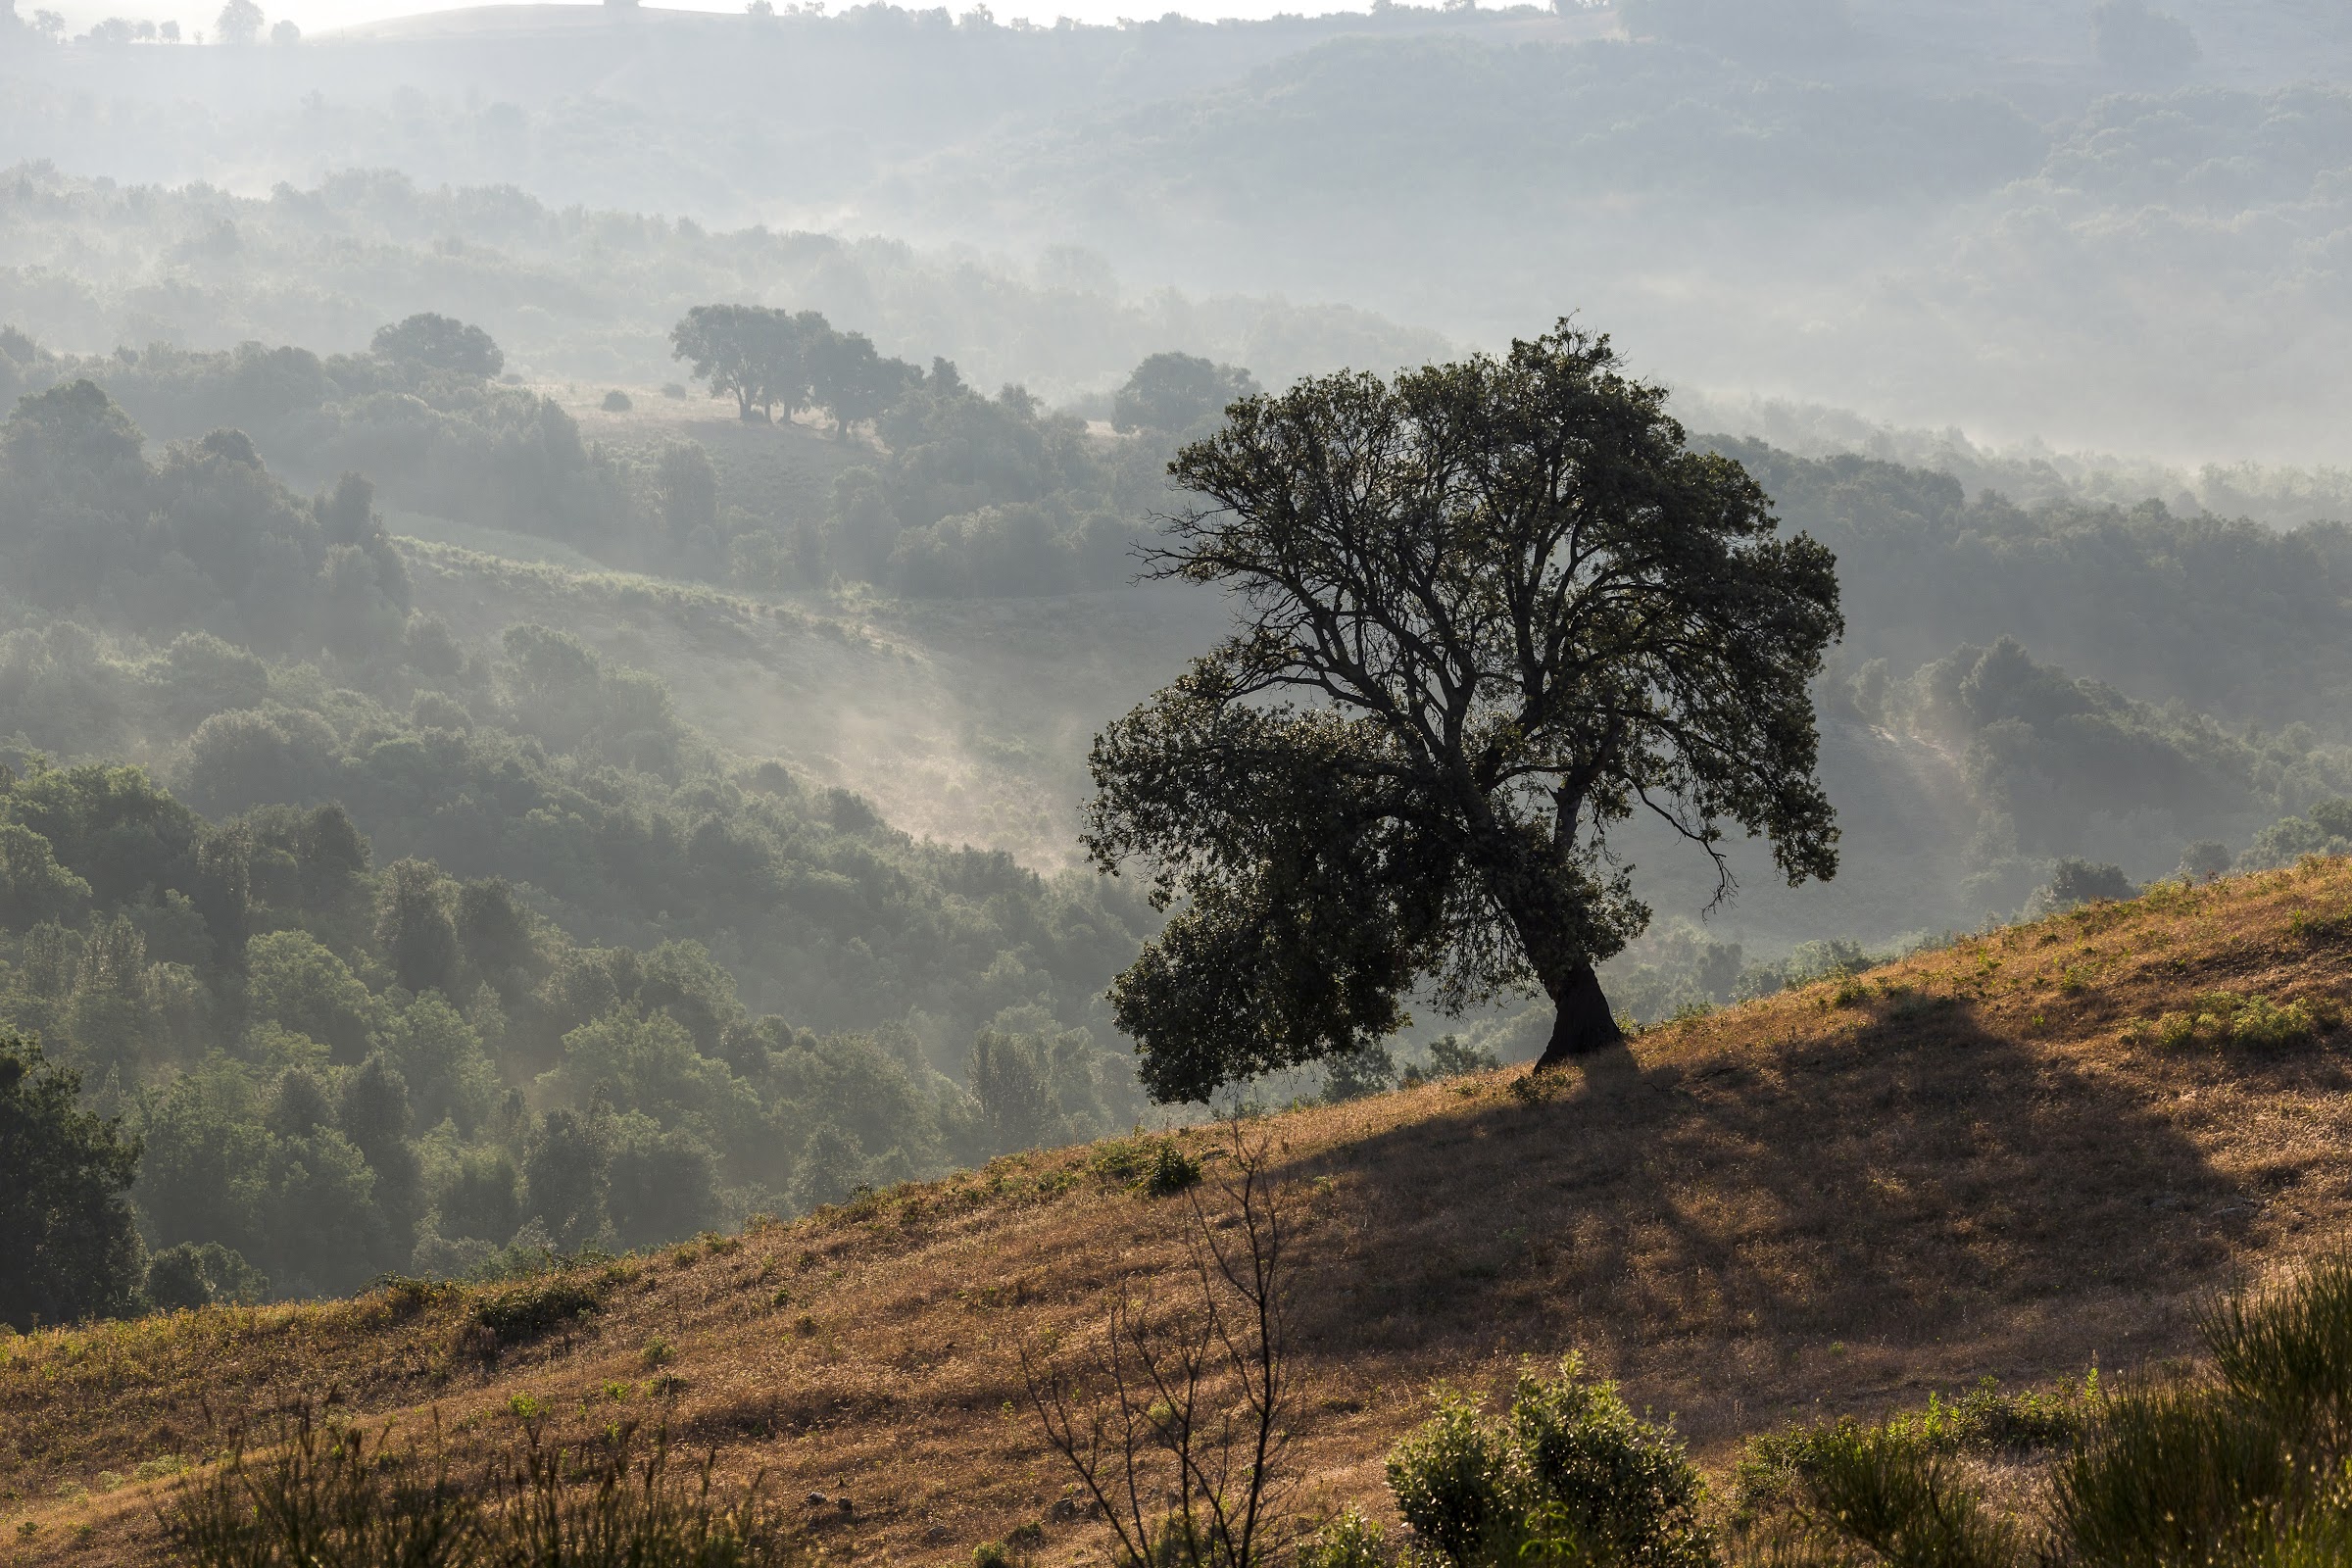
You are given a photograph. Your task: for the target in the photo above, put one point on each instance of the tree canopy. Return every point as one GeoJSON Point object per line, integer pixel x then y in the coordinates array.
{"type": "Point", "coordinates": [439, 343]}
{"type": "Point", "coordinates": [69, 1248]}
{"type": "Point", "coordinates": [755, 353]}
{"type": "Point", "coordinates": [1489, 612]}
{"type": "Point", "coordinates": [1176, 392]}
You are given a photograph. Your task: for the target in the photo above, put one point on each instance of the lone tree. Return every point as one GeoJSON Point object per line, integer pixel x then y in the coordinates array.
{"type": "Point", "coordinates": [1518, 607]}
{"type": "Point", "coordinates": [756, 352]}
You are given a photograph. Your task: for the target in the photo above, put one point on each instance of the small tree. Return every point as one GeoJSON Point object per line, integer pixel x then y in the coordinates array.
{"type": "Point", "coordinates": [1173, 392]}
{"type": "Point", "coordinates": [853, 383]}
{"type": "Point", "coordinates": [1177, 1423]}
{"type": "Point", "coordinates": [688, 486]}
{"type": "Point", "coordinates": [1520, 609]}
{"type": "Point", "coordinates": [69, 1248]}
{"type": "Point", "coordinates": [1010, 1080]}
{"type": "Point", "coordinates": [239, 23]}
{"type": "Point", "coordinates": [755, 353]}
{"type": "Point", "coordinates": [439, 343]}
{"type": "Point", "coordinates": [414, 924]}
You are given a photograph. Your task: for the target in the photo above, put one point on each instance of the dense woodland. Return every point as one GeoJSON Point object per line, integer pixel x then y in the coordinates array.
{"type": "Point", "coordinates": [406, 932]}
{"type": "Point", "coordinates": [406, 956]}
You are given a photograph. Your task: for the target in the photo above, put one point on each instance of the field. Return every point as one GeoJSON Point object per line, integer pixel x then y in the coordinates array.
{"type": "Point", "coordinates": [2018, 1156]}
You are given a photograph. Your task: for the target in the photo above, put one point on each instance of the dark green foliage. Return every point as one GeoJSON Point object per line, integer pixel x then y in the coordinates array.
{"type": "Point", "coordinates": [249, 988]}
{"type": "Point", "coordinates": [832, 1167]}
{"type": "Point", "coordinates": [1366, 1070]}
{"type": "Point", "coordinates": [431, 430]}
{"type": "Point", "coordinates": [990, 496]}
{"type": "Point", "coordinates": [661, 1185]}
{"type": "Point", "coordinates": [2074, 881]}
{"type": "Point", "coordinates": [1176, 393]}
{"type": "Point", "coordinates": [1158, 1167]}
{"type": "Point", "coordinates": [209, 536]}
{"type": "Point", "coordinates": [415, 926]}
{"type": "Point", "coordinates": [1903, 1504]}
{"type": "Point", "coordinates": [1010, 1083]}
{"type": "Point", "coordinates": [535, 1308]}
{"type": "Point", "coordinates": [1425, 560]}
{"type": "Point", "coordinates": [68, 1249]}
{"type": "Point", "coordinates": [1778, 1469]}
{"type": "Point", "coordinates": [1449, 1056]}
{"type": "Point", "coordinates": [755, 354]}
{"type": "Point", "coordinates": [484, 1198]}
{"type": "Point", "coordinates": [2171, 1474]}
{"type": "Point", "coordinates": [1170, 1171]}
{"type": "Point", "coordinates": [2240, 1464]}
{"type": "Point", "coordinates": [197, 1274]}
{"type": "Point", "coordinates": [1569, 1464]}
{"type": "Point", "coordinates": [564, 1179]}
{"type": "Point", "coordinates": [2324, 828]}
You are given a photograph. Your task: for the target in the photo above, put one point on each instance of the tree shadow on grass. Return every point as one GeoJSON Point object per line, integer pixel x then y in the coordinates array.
{"type": "Point", "coordinates": [1916, 1184]}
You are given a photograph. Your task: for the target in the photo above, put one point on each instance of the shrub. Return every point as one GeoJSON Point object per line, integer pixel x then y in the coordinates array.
{"type": "Point", "coordinates": [1451, 1057]}
{"type": "Point", "coordinates": [1570, 1471]}
{"type": "Point", "coordinates": [2219, 1018]}
{"type": "Point", "coordinates": [1157, 1166]}
{"type": "Point", "coordinates": [2171, 1474]}
{"type": "Point", "coordinates": [616, 402]}
{"type": "Point", "coordinates": [1872, 1487]}
{"type": "Point", "coordinates": [196, 1274]}
{"type": "Point", "coordinates": [1350, 1541]}
{"type": "Point", "coordinates": [1171, 1171]}
{"type": "Point", "coordinates": [2246, 1465]}
{"type": "Point", "coordinates": [537, 1307]}
{"type": "Point", "coordinates": [1776, 1467]}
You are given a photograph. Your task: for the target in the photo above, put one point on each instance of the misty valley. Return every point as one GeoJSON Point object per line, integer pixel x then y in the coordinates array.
{"type": "Point", "coordinates": [1196, 793]}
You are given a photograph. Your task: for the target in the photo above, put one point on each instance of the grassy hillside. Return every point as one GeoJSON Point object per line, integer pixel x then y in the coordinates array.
{"type": "Point", "coordinates": [2014, 1156]}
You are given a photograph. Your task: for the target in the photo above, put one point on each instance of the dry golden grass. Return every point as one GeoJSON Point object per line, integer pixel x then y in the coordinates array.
{"type": "Point", "coordinates": [1979, 1160]}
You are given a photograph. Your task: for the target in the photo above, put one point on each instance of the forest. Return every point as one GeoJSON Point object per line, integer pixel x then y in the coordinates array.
{"type": "Point", "coordinates": [400, 948]}
{"type": "Point", "coordinates": [1457, 785]}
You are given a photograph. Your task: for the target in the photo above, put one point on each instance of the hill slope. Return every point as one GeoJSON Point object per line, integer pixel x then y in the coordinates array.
{"type": "Point", "coordinates": [1984, 1160]}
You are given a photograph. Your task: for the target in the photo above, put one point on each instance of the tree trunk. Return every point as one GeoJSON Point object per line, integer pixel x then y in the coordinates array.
{"type": "Point", "coordinates": [1582, 1024]}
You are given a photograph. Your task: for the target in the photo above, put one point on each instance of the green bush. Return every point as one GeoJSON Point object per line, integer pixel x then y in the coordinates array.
{"type": "Point", "coordinates": [1157, 1166]}
{"type": "Point", "coordinates": [2248, 1464]}
{"type": "Point", "coordinates": [1883, 1489]}
{"type": "Point", "coordinates": [1778, 1467]}
{"type": "Point", "coordinates": [2219, 1018]}
{"type": "Point", "coordinates": [1350, 1541]}
{"type": "Point", "coordinates": [534, 1309]}
{"type": "Point", "coordinates": [1569, 1473]}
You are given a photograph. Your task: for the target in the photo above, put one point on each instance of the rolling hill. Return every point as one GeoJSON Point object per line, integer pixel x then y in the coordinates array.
{"type": "Point", "coordinates": [2018, 1156]}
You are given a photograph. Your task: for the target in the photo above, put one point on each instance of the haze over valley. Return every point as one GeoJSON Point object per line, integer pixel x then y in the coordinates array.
{"type": "Point", "coordinates": [697, 703]}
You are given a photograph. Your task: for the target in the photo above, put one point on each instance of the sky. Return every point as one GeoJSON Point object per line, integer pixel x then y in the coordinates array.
{"type": "Point", "coordinates": [324, 16]}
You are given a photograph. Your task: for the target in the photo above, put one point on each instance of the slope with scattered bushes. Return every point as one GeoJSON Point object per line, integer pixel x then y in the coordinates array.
{"type": "Point", "coordinates": [2020, 1156]}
